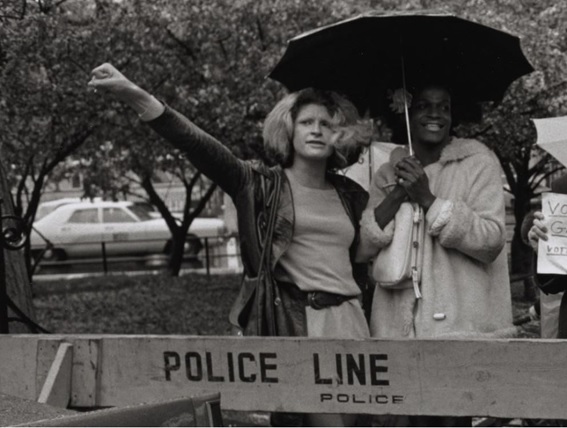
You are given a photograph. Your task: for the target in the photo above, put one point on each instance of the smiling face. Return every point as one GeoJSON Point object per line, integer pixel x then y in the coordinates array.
{"type": "Point", "coordinates": [430, 116]}
{"type": "Point", "coordinates": [313, 133]}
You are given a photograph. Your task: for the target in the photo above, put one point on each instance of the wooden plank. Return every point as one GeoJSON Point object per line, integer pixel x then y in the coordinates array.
{"type": "Point", "coordinates": [18, 366]}
{"type": "Point", "coordinates": [520, 378]}
{"type": "Point", "coordinates": [45, 355]}
{"type": "Point", "coordinates": [56, 390]}
{"type": "Point", "coordinates": [481, 378]}
{"type": "Point", "coordinates": [86, 369]}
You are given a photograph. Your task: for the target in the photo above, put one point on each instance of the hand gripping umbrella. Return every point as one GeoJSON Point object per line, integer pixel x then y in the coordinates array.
{"type": "Point", "coordinates": [366, 56]}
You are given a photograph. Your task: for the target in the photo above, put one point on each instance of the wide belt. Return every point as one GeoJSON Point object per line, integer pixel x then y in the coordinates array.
{"type": "Point", "coordinates": [315, 299]}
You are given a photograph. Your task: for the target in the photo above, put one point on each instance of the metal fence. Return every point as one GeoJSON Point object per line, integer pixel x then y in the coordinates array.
{"type": "Point", "coordinates": [217, 252]}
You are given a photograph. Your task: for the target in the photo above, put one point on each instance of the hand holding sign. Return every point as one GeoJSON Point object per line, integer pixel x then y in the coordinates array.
{"type": "Point", "coordinates": [552, 252]}
{"type": "Point", "coordinates": [537, 231]}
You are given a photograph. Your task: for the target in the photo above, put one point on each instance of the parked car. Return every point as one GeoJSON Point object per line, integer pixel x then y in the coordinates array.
{"type": "Point", "coordinates": [77, 229]}
{"type": "Point", "coordinates": [45, 208]}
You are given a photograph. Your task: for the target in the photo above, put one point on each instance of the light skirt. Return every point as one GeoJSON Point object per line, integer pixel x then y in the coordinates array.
{"type": "Point", "coordinates": [345, 321]}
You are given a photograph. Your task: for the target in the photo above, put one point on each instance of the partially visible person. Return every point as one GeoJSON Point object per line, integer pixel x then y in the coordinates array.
{"type": "Point", "coordinates": [553, 287]}
{"type": "Point", "coordinates": [545, 309]}
{"type": "Point", "coordinates": [550, 284]}
{"type": "Point", "coordinates": [465, 284]}
{"type": "Point", "coordinates": [309, 264]}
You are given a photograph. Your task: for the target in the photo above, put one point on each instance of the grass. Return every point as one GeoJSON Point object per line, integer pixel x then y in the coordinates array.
{"type": "Point", "coordinates": [191, 304]}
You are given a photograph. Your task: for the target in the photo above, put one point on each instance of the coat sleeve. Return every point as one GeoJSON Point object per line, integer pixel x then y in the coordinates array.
{"type": "Point", "coordinates": [475, 223]}
{"type": "Point", "coordinates": [372, 237]}
{"type": "Point", "coordinates": [205, 152]}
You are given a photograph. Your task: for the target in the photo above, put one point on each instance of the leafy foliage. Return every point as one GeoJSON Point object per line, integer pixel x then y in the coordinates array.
{"type": "Point", "coordinates": [45, 114]}
{"type": "Point", "coordinates": [209, 60]}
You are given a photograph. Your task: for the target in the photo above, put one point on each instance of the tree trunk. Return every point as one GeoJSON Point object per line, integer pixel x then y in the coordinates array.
{"type": "Point", "coordinates": [521, 252]}
{"type": "Point", "coordinates": [176, 254]}
{"type": "Point", "coordinates": [522, 264]}
{"type": "Point", "coordinates": [18, 285]}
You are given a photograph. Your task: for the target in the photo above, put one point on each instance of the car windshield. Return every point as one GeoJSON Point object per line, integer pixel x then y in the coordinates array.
{"type": "Point", "coordinates": [142, 212]}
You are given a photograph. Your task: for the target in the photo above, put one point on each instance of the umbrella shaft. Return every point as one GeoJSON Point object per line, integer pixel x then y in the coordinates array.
{"type": "Point", "coordinates": [406, 112]}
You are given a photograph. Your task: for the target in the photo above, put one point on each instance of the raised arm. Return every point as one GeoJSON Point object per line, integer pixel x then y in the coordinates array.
{"type": "Point", "coordinates": [206, 153]}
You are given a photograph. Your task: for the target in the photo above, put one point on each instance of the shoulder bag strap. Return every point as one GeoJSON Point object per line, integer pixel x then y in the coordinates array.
{"type": "Point", "coordinates": [416, 249]}
{"type": "Point", "coordinates": [264, 270]}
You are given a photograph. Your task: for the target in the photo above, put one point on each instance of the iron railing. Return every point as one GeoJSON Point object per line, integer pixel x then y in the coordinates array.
{"type": "Point", "coordinates": [210, 256]}
{"type": "Point", "coordinates": [12, 238]}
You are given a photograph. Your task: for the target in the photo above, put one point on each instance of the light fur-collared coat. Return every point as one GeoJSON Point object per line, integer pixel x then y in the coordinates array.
{"type": "Point", "coordinates": [465, 283]}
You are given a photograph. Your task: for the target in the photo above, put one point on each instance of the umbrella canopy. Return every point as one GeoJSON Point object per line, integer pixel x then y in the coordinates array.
{"type": "Point", "coordinates": [362, 57]}
{"type": "Point", "coordinates": [552, 137]}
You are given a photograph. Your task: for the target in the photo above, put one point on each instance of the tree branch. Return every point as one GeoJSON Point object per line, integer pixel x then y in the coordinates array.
{"type": "Point", "coordinates": [204, 200]}
{"type": "Point", "coordinates": [261, 35]}
{"type": "Point", "coordinates": [542, 177]}
{"type": "Point", "coordinates": [76, 140]}
{"type": "Point", "coordinates": [159, 203]}
{"type": "Point", "coordinates": [539, 165]}
{"type": "Point", "coordinates": [21, 188]}
{"type": "Point", "coordinates": [223, 50]}
{"type": "Point", "coordinates": [188, 50]}
{"type": "Point", "coordinates": [508, 172]}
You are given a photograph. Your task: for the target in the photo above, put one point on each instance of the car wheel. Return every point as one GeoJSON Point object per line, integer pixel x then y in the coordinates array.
{"type": "Point", "coordinates": [193, 245]}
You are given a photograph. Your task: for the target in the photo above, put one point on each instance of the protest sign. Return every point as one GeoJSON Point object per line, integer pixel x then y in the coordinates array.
{"type": "Point", "coordinates": [552, 254]}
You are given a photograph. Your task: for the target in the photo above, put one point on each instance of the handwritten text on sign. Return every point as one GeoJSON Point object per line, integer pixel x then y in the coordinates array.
{"type": "Point", "coordinates": [552, 254]}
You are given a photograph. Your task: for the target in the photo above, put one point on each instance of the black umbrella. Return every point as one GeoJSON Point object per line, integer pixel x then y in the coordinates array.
{"type": "Point", "coordinates": [366, 56]}
{"type": "Point", "coordinates": [362, 57]}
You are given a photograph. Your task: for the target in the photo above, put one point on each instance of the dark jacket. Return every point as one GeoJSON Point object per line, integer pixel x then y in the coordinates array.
{"type": "Point", "coordinates": [250, 185]}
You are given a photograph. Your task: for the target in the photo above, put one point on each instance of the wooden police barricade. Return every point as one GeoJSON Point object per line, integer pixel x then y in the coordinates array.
{"type": "Point", "coordinates": [515, 378]}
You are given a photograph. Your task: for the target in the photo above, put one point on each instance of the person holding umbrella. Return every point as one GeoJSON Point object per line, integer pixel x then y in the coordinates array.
{"type": "Point", "coordinates": [435, 63]}
{"type": "Point", "coordinates": [465, 288]}
{"type": "Point", "coordinates": [298, 221]}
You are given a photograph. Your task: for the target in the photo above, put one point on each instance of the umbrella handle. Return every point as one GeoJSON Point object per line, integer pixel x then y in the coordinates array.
{"type": "Point", "coordinates": [406, 112]}
{"type": "Point", "coordinates": [406, 109]}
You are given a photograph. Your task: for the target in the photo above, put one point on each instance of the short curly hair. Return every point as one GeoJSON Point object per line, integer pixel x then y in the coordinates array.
{"type": "Point", "coordinates": [279, 127]}
{"type": "Point", "coordinates": [462, 109]}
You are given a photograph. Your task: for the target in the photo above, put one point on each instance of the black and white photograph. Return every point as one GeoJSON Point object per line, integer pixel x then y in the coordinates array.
{"type": "Point", "coordinates": [283, 213]}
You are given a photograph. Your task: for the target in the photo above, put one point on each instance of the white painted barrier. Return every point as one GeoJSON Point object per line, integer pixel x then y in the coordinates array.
{"type": "Point", "coordinates": [520, 378]}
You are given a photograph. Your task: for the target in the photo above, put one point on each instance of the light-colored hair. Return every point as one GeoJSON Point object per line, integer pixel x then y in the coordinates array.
{"type": "Point", "coordinates": [279, 127]}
